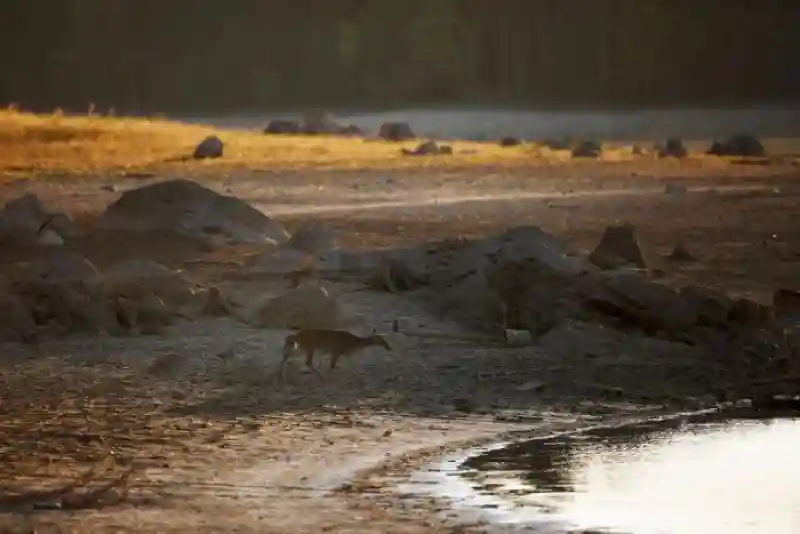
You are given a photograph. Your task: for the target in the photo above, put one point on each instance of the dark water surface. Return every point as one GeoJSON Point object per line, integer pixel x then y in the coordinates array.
{"type": "Point", "coordinates": [699, 475]}
{"type": "Point", "coordinates": [634, 124]}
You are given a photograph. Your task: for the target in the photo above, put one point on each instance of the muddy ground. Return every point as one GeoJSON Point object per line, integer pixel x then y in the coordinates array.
{"type": "Point", "coordinates": [219, 445]}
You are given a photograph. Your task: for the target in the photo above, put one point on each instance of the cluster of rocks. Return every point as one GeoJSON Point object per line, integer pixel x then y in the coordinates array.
{"type": "Point", "coordinates": [65, 293]}
{"type": "Point", "coordinates": [62, 292]}
{"type": "Point", "coordinates": [520, 280]}
{"type": "Point", "coordinates": [325, 124]}
{"type": "Point", "coordinates": [526, 280]}
{"type": "Point", "coordinates": [312, 124]}
{"type": "Point", "coordinates": [739, 145]}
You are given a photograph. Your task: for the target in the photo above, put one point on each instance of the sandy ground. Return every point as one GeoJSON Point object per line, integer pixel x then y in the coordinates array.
{"type": "Point", "coordinates": [220, 446]}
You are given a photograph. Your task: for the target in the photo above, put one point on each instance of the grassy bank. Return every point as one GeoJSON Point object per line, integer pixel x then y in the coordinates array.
{"type": "Point", "coordinates": [79, 144]}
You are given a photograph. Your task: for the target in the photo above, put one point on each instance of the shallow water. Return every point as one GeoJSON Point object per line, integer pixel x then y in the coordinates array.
{"type": "Point", "coordinates": [683, 477]}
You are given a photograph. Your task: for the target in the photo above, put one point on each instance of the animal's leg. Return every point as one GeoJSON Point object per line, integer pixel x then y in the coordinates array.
{"type": "Point", "coordinates": [288, 349]}
{"type": "Point", "coordinates": [310, 362]}
{"type": "Point", "coordinates": [335, 359]}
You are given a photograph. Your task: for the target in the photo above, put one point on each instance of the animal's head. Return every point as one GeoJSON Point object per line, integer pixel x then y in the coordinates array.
{"type": "Point", "coordinates": [379, 341]}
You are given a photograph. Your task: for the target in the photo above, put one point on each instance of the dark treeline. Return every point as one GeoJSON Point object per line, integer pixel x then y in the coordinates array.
{"type": "Point", "coordinates": [235, 55]}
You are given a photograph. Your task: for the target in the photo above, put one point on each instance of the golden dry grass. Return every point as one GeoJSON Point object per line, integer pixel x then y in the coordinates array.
{"type": "Point", "coordinates": [54, 143]}
{"type": "Point", "coordinates": [84, 144]}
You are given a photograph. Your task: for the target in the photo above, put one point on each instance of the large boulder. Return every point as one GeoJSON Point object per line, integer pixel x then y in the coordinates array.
{"type": "Point", "coordinates": [139, 279]}
{"type": "Point", "coordinates": [185, 207]}
{"type": "Point", "coordinates": [472, 303]}
{"type": "Point", "coordinates": [646, 303]}
{"type": "Point", "coordinates": [282, 127]}
{"type": "Point", "coordinates": [306, 306]}
{"type": "Point", "coordinates": [510, 141]}
{"type": "Point", "coordinates": [396, 131]}
{"type": "Point", "coordinates": [712, 307]}
{"type": "Point", "coordinates": [619, 247]}
{"type": "Point", "coordinates": [63, 267]}
{"type": "Point", "coordinates": [209, 148]}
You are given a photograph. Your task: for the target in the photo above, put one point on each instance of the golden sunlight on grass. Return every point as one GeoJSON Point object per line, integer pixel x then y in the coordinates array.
{"type": "Point", "coordinates": [79, 144]}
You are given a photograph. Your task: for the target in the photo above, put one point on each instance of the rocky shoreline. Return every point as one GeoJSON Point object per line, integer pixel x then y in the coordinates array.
{"type": "Point", "coordinates": [155, 328]}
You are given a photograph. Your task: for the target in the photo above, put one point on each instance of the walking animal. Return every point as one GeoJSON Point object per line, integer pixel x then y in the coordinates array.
{"type": "Point", "coordinates": [336, 343]}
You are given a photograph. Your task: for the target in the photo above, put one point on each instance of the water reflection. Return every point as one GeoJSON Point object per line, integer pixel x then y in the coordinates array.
{"type": "Point", "coordinates": [688, 477]}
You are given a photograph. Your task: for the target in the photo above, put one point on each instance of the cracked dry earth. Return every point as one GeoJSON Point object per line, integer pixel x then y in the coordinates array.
{"type": "Point", "coordinates": [218, 444]}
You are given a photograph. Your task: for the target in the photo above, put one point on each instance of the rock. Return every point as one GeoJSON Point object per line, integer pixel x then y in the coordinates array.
{"type": "Point", "coordinates": [618, 247]}
{"type": "Point", "coordinates": [396, 131]}
{"type": "Point", "coordinates": [139, 278]}
{"type": "Point", "coordinates": [16, 320]}
{"type": "Point", "coordinates": [25, 212]}
{"type": "Point", "coordinates": [681, 253]}
{"type": "Point", "coordinates": [395, 276]}
{"type": "Point", "coordinates": [185, 207]}
{"type": "Point", "coordinates": [210, 147]}
{"type": "Point", "coordinates": [282, 127]}
{"type": "Point", "coordinates": [587, 149]}
{"type": "Point", "coordinates": [712, 307]}
{"type": "Point", "coordinates": [448, 262]}
{"type": "Point", "coordinates": [24, 220]}
{"type": "Point", "coordinates": [282, 261]}
{"type": "Point", "coordinates": [307, 306]}
{"type": "Point", "coordinates": [313, 236]}
{"type": "Point", "coordinates": [746, 312]}
{"type": "Point", "coordinates": [786, 302]}
{"type": "Point", "coordinates": [48, 237]}
{"type": "Point", "coordinates": [472, 303]}
{"type": "Point", "coordinates": [536, 296]}
{"type": "Point", "coordinates": [673, 149]}
{"type": "Point", "coordinates": [510, 141]}
{"type": "Point", "coordinates": [652, 305]}
{"type": "Point", "coordinates": [152, 315]}
{"type": "Point", "coordinates": [742, 145]}
{"type": "Point", "coordinates": [532, 243]}
{"type": "Point", "coordinates": [428, 148]}
{"type": "Point", "coordinates": [82, 309]}
{"type": "Point", "coordinates": [63, 267]}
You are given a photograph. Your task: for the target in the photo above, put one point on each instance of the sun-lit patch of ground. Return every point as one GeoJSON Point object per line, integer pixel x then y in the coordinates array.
{"type": "Point", "coordinates": [77, 144]}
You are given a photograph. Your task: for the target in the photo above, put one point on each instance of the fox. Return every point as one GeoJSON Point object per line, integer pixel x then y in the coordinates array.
{"type": "Point", "coordinates": [337, 343]}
